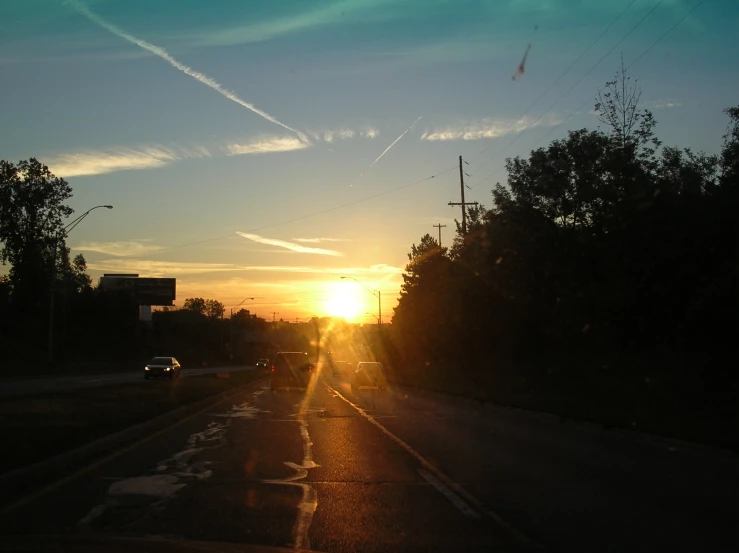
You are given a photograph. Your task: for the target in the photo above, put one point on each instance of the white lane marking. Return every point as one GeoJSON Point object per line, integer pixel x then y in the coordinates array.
{"type": "Point", "coordinates": [157, 485]}
{"type": "Point", "coordinates": [460, 491]}
{"type": "Point", "coordinates": [428, 466]}
{"type": "Point", "coordinates": [309, 500]}
{"type": "Point", "coordinates": [457, 501]}
{"type": "Point", "coordinates": [172, 473]}
{"type": "Point", "coordinates": [94, 513]}
{"type": "Point", "coordinates": [242, 411]}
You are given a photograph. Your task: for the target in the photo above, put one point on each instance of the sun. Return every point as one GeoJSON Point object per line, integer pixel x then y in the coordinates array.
{"type": "Point", "coordinates": [344, 301]}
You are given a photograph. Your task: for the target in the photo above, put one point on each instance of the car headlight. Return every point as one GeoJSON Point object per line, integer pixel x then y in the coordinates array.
{"type": "Point", "coordinates": [147, 369]}
{"type": "Point", "coordinates": [167, 369]}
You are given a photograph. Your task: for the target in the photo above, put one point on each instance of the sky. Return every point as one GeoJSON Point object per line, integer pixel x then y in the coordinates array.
{"type": "Point", "coordinates": [262, 148]}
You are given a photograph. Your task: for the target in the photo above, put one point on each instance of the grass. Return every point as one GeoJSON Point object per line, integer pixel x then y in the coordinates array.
{"type": "Point", "coordinates": [37, 427]}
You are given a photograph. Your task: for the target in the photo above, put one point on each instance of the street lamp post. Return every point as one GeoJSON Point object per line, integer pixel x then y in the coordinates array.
{"type": "Point", "coordinates": [233, 333]}
{"type": "Point", "coordinates": [375, 293]}
{"type": "Point", "coordinates": [64, 233]}
{"type": "Point", "coordinates": [239, 304]}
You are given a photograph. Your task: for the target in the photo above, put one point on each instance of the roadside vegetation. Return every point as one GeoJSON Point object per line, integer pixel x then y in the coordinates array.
{"type": "Point", "coordinates": [601, 284]}
{"type": "Point", "coordinates": [44, 425]}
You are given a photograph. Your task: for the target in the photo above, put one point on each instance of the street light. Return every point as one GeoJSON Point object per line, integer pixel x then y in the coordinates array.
{"type": "Point", "coordinates": [239, 304]}
{"type": "Point", "coordinates": [233, 332]}
{"type": "Point", "coordinates": [78, 220]}
{"type": "Point", "coordinates": [374, 292]}
{"type": "Point", "coordinates": [65, 232]}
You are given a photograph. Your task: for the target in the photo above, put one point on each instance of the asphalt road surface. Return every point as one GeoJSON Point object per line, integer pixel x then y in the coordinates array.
{"type": "Point", "coordinates": [396, 471]}
{"type": "Point", "coordinates": [41, 385]}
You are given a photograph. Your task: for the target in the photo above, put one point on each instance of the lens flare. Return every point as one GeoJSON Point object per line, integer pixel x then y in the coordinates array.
{"type": "Point", "coordinates": [344, 301]}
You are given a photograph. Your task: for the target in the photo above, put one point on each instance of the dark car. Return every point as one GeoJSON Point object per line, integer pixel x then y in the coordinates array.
{"type": "Point", "coordinates": [369, 374]}
{"type": "Point", "coordinates": [168, 367]}
{"type": "Point", "coordinates": [262, 363]}
{"type": "Point", "coordinates": [291, 369]}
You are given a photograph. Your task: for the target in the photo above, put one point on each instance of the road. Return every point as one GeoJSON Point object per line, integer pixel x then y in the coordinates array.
{"type": "Point", "coordinates": [41, 385]}
{"type": "Point", "coordinates": [396, 471]}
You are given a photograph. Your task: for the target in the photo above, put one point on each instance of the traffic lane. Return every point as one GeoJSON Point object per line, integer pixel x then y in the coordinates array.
{"type": "Point", "coordinates": [296, 472]}
{"type": "Point", "coordinates": [570, 488]}
{"type": "Point", "coordinates": [31, 386]}
{"type": "Point", "coordinates": [61, 509]}
{"type": "Point", "coordinates": [372, 495]}
{"type": "Point", "coordinates": [233, 500]}
{"type": "Point", "coordinates": [369, 495]}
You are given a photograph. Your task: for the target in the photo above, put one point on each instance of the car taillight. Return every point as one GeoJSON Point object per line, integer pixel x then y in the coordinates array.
{"type": "Point", "coordinates": [273, 368]}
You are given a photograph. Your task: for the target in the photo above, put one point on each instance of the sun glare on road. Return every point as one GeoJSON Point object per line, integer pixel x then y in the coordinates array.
{"type": "Point", "coordinates": [344, 300]}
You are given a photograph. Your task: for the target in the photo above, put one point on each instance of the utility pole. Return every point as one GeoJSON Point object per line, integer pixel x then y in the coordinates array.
{"type": "Point", "coordinates": [463, 203]}
{"type": "Point", "coordinates": [274, 314]}
{"type": "Point", "coordinates": [439, 226]}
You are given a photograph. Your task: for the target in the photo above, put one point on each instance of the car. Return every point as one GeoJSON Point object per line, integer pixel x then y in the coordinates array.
{"type": "Point", "coordinates": [262, 363]}
{"type": "Point", "coordinates": [369, 374]}
{"type": "Point", "coordinates": [340, 368]}
{"type": "Point", "coordinates": [291, 369]}
{"type": "Point", "coordinates": [168, 367]}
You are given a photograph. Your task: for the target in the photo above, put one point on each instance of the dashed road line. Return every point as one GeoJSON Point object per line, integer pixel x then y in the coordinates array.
{"type": "Point", "coordinates": [450, 487]}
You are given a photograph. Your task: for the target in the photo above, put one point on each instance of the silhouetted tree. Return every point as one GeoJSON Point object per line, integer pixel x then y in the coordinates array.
{"type": "Point", "coordinates": [214, 309]}
{"type": "Point", "coordinates": [602, 265]}
{"type": "Point", "coordinates": [31, 213]}
{"type": "Point", "coordinates": [196, 305]}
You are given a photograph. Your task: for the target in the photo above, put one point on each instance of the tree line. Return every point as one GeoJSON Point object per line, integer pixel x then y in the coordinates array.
{"type": "Point", "coordinates": [607, 264]}
{"type": "Point", "coordinates": [45, 287]}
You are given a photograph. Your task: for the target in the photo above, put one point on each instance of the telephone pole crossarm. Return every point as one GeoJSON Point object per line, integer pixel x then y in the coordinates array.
{"type": "Point", "coordinates": [463, 203]}
{"type": "Point", "coordinates": [439, 226]}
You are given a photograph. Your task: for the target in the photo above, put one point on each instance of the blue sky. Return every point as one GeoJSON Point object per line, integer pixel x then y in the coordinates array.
{"type": "Point", "coordinates": [236, 120]}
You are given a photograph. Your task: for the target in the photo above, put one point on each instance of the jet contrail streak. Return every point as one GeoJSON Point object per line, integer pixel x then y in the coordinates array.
{"type": "Point", "coordinates": [396, 141]}
{"type": "Point", "coordinates": [162, 53]}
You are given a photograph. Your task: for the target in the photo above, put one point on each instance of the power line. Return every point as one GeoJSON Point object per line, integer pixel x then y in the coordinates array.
{"type": "Point", "coordinates": [386, 192]}
{"type": "Point", "coordinates": [644, 53]}
{"type": "Point", "coordinates": [657, 5]}
{"type": "Point", "coordinates": [520, 117]}
{"type": "Point", "coordinates": [288, 221]}
{"type": "Point", "coordinates": [683, 18]}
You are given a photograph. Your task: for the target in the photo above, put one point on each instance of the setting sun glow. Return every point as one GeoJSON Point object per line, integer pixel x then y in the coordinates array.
{"type": "Point", "coordinates": [344, 300]}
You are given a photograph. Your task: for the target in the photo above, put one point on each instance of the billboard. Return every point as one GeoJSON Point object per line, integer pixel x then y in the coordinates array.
{"type": "Point", "coordinates": [144, 291]}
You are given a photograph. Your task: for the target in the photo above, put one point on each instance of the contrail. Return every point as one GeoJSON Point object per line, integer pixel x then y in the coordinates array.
{"type": "Point", "coordinates": [162, 53]}
{"type": "Point", "coordinates": [396, 141]}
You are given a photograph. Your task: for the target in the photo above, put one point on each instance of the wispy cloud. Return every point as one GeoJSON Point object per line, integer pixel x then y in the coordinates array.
{"type": "Point", "coordinates": [128, 248]}
{"type": "Point", "coordinates": [319, 240]}
{"type": "Point", "coordinates": [98, 162]}
{"type": "Point", "coordinates": [380, 269]}
{"type": "Point", "coordinates": [665, 104]}
{"type": "Point", "coordinates": [301, 18]}
{"type": "Point", "coordinates": [151, 268]}
{"type": "Point", "coordinates": [162, 53]}
{"type": "Point", "coordinates": [267, 145]}
{"type": "Point", "coordinates": [158, 269]}
{"type": "Point", "coordinates": [344, 133]}
{"type": "Point", "coordinates": [396, 141]}
{"type": "Point", "coordinates": [287, 245]}
{"type": "Point", "coordinates": [488, 128]}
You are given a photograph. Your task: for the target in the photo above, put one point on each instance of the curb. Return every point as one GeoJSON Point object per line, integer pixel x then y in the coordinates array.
{"type": "Point", "coordinates": [30, 478]}
{"type": "Point", "coordinates": [482, 406]}
{"type": "Point", "coordinates": [576, 425]}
